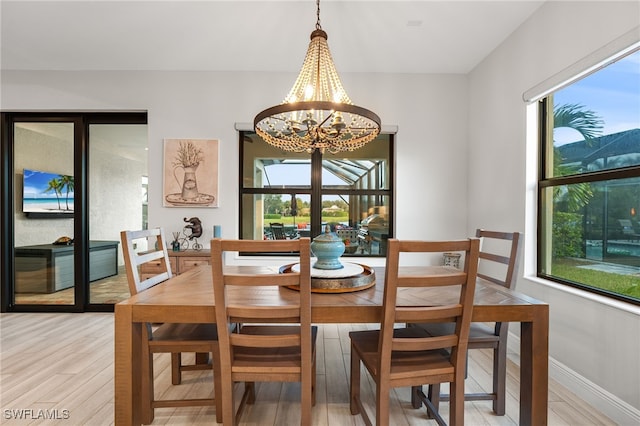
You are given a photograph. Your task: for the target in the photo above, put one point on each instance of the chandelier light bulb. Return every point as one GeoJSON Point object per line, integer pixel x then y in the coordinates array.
{"type": "Point", "coordinates": [308, 93]}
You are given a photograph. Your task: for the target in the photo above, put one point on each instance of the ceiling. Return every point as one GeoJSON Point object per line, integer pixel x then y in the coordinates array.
{"type": "Point", "coordinates": [420, 36]}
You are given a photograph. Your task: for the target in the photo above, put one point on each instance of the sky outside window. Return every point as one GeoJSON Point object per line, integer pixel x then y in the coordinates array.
{"type": "Point", "coordinates": [613, 93]}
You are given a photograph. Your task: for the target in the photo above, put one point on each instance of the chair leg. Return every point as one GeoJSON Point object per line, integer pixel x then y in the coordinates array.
{"type": "Point", "coordinates": [227, 399]}
{"type": "Point", "coordinates": [313, 384]}
{"type": "Point", "coordinates": [250, 391]}
{"type": "Point", "coordinates": [217, 383]}
{"type": "Point", "coordinates": [176, 364]}
{"type": "Point", "coordinates": [434, 396]}
{"type": "Point", "coordinates": [382, 404]}
{"type": "Point", "coordinates": [354, 389]}
{"type": "Point", "coordinates": [456, 403]}
{"type": "Point", "coordinates": [306, 399]}
{"type": "Point", "coordinates": [416, 402]}
{"type": "Point", "coordinates": [499, 379]}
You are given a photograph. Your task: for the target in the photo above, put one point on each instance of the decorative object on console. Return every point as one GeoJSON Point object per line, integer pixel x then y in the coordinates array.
{"type": "Point", "coordinates": [317, 113]}
{"type": "Point", "coordinates": [175, 244]}
{"type": "Point", "coordinates": [63, 241]}
{"type": "Point", "coordinates": [452, 259]}
{"type": "Point", "coordinates": [191, 232]}
{"type": "Point", "coordinates": [195, 224]}
{"type": "Point", "coordinates": [184, 161]}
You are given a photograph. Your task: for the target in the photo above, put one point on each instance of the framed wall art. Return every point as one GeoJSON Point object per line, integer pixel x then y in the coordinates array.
{"type": "Point", "coordinates": [190, 173]}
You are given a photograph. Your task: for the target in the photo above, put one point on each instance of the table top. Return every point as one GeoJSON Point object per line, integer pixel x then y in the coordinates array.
{"type": "Point", "coordinates": [189, 297]}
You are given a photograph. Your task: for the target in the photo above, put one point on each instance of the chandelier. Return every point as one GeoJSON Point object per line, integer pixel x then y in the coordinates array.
{"type": "Point", "coordinates": [317, 113]}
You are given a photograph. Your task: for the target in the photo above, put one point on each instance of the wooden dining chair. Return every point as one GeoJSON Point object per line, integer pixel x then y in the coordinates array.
{"type": "Point", "coordinates": [403, 356]}
{"type": "Point", "coordinates": [498, 264]}
{"type": "Point", "coordinates": [173, 338]}
{"type": "Point", "coordinates": [264, 349]}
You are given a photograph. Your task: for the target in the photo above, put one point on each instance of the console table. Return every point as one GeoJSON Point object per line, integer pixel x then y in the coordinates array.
{"type": "Point", "coordinates": [47, 268]}
{"type": "Point", "coordinates": [181, 261]}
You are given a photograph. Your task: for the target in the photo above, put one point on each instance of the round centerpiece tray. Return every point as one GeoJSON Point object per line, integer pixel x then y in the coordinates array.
{"type": "Point", "coordinates": [353, 277]}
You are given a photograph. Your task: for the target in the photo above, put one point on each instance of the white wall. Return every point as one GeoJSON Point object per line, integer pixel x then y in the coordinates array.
{"type": "Point", "coordinates": [429, 110]}
{"type": "Point", "coordinates": [595, 347]}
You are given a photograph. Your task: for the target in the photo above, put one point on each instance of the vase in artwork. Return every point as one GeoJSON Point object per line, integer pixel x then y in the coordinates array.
{"type": "Point", "coordinates": [189, 183]}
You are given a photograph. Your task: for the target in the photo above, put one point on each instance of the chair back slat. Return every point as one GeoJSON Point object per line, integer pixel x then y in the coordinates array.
{"type": "Point", "coordinates": [149, 256]}
{"type": "Point", "coordinates": [432, 313]}
{"type": "Point", "coordinates": [424, 344]}
{"type": "Point", "coordinates": [454, 277]}
{"type": "Point", "coordinates": [258, 341]}
{"type": "Point", "coordinates": [495, 258]}
{"type": "Point", "coordinates": [264, 312]}
{"type": "Point", "coordinates": [156, 254]}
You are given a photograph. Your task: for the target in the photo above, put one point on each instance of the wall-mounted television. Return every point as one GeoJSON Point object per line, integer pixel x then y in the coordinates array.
{"type": "Point", "coordinates": [46, 194]}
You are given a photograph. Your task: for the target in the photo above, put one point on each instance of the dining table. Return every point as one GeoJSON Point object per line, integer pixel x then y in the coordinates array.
{"type": "Point", "coordinates": [188, 298]}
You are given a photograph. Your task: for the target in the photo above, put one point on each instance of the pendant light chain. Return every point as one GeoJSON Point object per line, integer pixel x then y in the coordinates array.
{"type": "Point", "coordinates": [318, 26]}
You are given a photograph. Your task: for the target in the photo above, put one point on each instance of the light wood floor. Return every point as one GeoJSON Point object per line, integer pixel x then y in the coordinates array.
{"type": "Point", "coordinates": [62, 364]}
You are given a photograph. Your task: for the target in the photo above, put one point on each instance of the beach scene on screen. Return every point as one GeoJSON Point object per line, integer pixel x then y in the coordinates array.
{"type": "Point", "coordinates": [47, 192]}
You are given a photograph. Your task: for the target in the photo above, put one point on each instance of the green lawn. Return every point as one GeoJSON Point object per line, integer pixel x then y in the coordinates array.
{"type": "Point", "coordinates": [289, 220]}
{"type": "Point", "coordinates": [628, 285]}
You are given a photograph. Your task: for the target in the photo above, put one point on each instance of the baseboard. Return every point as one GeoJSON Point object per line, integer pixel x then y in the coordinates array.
{"type": "Point", "coordinates": [608, 404]}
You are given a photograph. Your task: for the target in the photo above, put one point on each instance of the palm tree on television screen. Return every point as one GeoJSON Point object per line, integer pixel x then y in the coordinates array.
{"type": "Point", "coordinates": [67, 182]}
{"type": "Point", "coordinates": [55, 185]}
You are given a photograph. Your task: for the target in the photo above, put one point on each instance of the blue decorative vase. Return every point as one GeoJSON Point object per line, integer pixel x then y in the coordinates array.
{"type": "Point", "coordinates": [328, 248]}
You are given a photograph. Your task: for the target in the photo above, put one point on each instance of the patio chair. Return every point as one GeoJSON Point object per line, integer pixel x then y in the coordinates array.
{"type": "Point", "coordinates": [277, 231]}
{"type": "Point", "coordinates": [627, 230]}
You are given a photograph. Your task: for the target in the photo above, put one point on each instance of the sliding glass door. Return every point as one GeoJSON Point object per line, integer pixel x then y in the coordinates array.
{"type": "Point", "coordinates": [117, 201]}
{"type": "Point", "coordinates": [73, 182]}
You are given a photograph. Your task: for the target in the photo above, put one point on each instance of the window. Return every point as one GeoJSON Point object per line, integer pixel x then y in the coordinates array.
{"type": "Point", "coordinates": [589, 186]}
{"type": "Point", "coordinates": [291, 195]}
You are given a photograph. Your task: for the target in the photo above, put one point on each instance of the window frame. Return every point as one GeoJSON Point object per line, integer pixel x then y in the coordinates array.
{"type": "Point", "coordinates": [315, 189]}
{"type": "Point", "coordinates": [545, 131]}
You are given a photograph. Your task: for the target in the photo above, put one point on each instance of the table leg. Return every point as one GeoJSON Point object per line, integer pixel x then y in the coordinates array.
{"type": "Point", "coordinates": [534, 369]}
{"type": "Point", "coordinates": [127, 385]}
